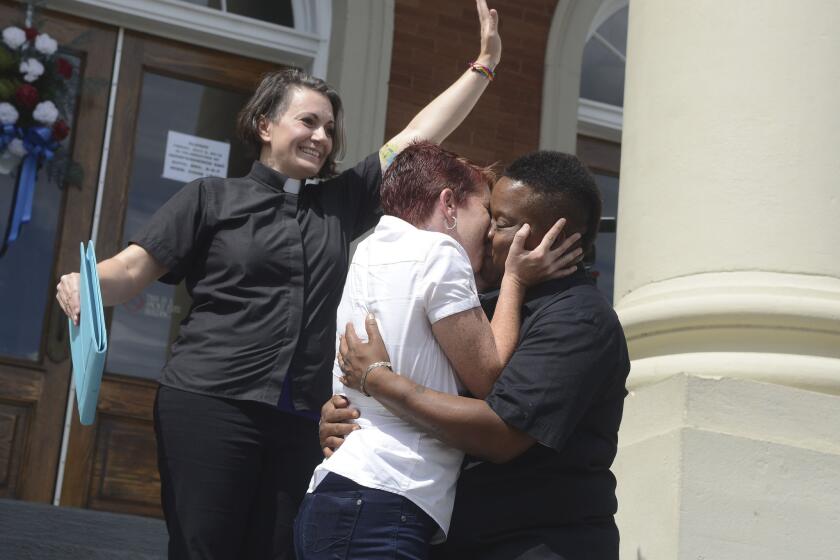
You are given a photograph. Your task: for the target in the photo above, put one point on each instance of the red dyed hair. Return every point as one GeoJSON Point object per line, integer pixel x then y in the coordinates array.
{"type": "Point", "coordinates": [419, 173]}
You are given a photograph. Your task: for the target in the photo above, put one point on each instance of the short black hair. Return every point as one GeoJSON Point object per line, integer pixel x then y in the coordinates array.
{"type": "Point", "coordinates": [562, 188]}
{"type": "Point", "coordinates": [271, 99]}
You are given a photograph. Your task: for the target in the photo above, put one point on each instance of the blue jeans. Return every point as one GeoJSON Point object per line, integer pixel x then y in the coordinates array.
{"type": "Point", "coordinates": [342, 520]}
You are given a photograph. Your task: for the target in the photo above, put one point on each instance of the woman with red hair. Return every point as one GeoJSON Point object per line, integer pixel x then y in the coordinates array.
{"type": "Point", "coordinates": [388, 491]}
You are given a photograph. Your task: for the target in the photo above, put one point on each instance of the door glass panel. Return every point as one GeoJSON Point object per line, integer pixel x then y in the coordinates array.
{"type": "Point", "coordinates": [142, 329]}
{"type": "Point", "coordinates": [26, 282]}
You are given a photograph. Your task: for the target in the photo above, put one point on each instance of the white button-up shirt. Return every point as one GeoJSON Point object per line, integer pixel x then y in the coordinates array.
{"type": "Point", "coordinates": [409, 278]}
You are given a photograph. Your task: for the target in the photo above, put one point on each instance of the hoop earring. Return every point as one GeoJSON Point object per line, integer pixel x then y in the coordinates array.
{"type": "Point", "coordinates": [454, 223]}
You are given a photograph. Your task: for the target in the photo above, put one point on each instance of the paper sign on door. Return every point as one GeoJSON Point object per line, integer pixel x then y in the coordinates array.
{"type": "Point", "coordinates": [191, 157]}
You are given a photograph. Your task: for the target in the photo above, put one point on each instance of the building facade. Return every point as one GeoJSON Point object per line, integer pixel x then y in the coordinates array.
{"type": "Point", "coordinates": [721, 254]}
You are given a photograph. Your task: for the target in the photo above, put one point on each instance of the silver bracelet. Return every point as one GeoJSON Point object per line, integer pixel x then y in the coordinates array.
{"type": "Point", "coordinates": [369, 369]}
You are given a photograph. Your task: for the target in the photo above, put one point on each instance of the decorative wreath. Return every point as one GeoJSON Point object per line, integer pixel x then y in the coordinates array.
{"type": "Point", "coordinates": [34, 104]}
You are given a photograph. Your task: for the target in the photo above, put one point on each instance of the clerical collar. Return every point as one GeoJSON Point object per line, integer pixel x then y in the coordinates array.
{"type": "Point", "coordinates": [292, 186]}
{"type": "Point", "coordinates": [277, 180]}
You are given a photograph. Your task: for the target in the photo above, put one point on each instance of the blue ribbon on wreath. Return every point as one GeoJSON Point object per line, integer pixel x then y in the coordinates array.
{"type": "Point", "coordinates": [39, 147]}
{"type": "Point", "coordinates": [8, 132]}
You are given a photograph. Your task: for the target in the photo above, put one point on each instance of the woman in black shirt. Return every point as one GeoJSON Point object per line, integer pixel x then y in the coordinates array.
{"type": "Point", "coordinates": [264, 258]}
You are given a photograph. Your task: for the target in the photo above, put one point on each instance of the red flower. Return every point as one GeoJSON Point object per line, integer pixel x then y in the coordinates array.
{"type": "Point", "coordinates": [31, 33]}
{"type": "Point", "coordinates": [60, 130]}
{"type": "Point", "coordinates": [64, 68]}
{"type": "Point", "coordinates": [27, 96]}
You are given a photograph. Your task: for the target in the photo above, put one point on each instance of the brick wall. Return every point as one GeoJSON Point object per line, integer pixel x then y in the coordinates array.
{"type": "Point", "coordinates": [433, 42]}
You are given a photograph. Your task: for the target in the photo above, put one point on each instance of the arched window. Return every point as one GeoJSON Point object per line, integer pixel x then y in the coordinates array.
{"type": "Point", "coordinates": [599, 125]}
{"type": "Point", "coordinates": [279, 12]}
{"type": "Point", "coordinates": [604, 56]}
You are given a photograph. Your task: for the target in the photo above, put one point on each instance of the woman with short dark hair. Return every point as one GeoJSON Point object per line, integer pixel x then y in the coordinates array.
{"type": "Point", "coordinates": [264, 258]}
{"type": "Point", "coordinates": [271, 99]}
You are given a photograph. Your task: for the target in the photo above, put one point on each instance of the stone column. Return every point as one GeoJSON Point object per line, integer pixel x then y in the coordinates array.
{"type": "Point", "coordinates": [728, 280]}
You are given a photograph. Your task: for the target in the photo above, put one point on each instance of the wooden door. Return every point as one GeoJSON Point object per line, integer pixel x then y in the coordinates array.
{"type": "Point", "coordinates": [34, 354]}
{"type": "Point", "coordinates": [164, 87]}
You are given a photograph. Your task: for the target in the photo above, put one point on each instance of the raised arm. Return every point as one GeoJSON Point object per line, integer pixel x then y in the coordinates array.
{"type": "Point", "coordinates": [448, 110]}
{"type": "Point", "coordinates": [121, 277]}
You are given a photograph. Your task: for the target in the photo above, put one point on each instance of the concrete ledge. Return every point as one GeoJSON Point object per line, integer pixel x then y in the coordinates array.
{"type": "Point", "coordinates": [728, 469]}
{"type": "Point", "coordinates": [768, 326]}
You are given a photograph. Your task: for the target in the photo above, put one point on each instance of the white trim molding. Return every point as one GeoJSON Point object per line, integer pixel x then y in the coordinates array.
{"type": "Point", "coordinates": [309, 16]}
{"type": "Point", "coordinates": [570, 25]}
{"type": "Point", "coordinates": [306, 48]}
{"type": "Point", "coordinates": [360, 67]}
{"type": "Point", "coordinates": [564, 112]}
{"type": "Point", "coordinates": [315, 17]}
{"type": "Point", "coordinates": [766, 326]}
{"type": "Point", "coordinates": [94, 236]}
{"type": "Point", "coordinates": [601, 120]}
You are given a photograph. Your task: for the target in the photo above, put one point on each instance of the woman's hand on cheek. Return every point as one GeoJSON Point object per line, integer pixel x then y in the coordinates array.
{"type": "Point", "coordinates": [545, 261]}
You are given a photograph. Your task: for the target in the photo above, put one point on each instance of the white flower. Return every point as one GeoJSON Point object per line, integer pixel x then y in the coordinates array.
{"type": "Point", "coordinates": [31, 69]}
{"type": "Point", "coordinates": [16, 148]}
{"type": "Point", "coordinates": [45, 44]}
{"type": "Point", "coordinates": [45, 112]}
{"type": "Point", "coordinates": [8, 113]}
{"type": "Point", "coordinates": [14, 37]}
{"type": "Point", "coordinates": [8, 162]}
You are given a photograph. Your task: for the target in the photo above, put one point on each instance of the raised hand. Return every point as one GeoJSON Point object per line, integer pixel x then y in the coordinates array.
{"type": "Point", "coordinates": [491, 42]}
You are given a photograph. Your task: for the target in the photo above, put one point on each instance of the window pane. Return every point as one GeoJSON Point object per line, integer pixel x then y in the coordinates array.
{"type": "Point", "coordinates": [602, 264]}
{"type": "Point", "coordinates": [602, 72]}
{"type": "Point", "coordinates": [209, 3]}
{"type": "Point", "coordinates": [26, 282]}
{"type": "Point", "coordinates": [276, 11]}
{"type": "Point", "coordinates": [603, 268]}
{"type": "Point", "coordinates": [143, 328]}
{"type": "Point", "coordinates": [614, 30]}
{"type": "Point", "coordinates": [608, 185]}
{"type": "Point", "coordinates": [602, 77]}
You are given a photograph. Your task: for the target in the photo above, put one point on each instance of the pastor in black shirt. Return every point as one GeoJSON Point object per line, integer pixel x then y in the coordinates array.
{"type": "Point", "coordinates": [264, 258]}
{"type": "Point", "coordinates": [265, 268]}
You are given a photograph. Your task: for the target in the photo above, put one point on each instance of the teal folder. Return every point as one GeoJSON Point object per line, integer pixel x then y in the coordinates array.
{"type": "Point", "coordinates": [88, 340]}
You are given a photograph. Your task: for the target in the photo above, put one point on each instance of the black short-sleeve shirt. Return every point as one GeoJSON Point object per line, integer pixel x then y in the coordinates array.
{"type": "Point", "coordinates": [265, 270]}
{"type": "Point", "coordinates": [564, 386]}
